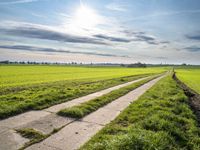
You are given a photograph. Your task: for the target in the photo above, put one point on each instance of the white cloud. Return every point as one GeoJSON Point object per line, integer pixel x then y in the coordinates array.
{"type": "Point", "coordinates": [116, 7]}
{"type": "Point", "coordinates": [38, 15]}
{"type": "Point", "coordinates": [167, 13]}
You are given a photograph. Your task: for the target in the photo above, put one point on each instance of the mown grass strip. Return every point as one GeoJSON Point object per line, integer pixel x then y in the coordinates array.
{"type": "Point", "coordinates": [86, 108]}
{"type": "Point", "coordinates": [46, 95]}
{"type": "Point", "coordinates": [160, 119]}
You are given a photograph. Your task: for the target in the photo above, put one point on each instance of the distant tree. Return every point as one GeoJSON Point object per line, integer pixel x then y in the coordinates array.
{"type": "Point", "coordinates": [184, 64]}
{"type": "Point", "coordinates": [139, 64]}
{"type": "Point", "coordinates": [4, 62]}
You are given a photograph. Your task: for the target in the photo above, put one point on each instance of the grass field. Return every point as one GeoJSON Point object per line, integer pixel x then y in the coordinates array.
{"type": "Point", "coordinates": [190, 76]}
{"type": "Point", "coordinates": [28, 87]}
{"type": "Point", "coordinates": [18, 75]}
{"type": "Point", "coordinates": [160, 119]}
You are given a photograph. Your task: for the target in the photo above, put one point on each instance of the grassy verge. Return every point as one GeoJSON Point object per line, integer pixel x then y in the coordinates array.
{"type": "Point", "coordinates": [86, 108]}
{"type": "Point", "coordinates": [48, 94]}
{"type": "Point", "coordinates": [194, 97]}
{"type": "Point", "coordinates": [160, 119]}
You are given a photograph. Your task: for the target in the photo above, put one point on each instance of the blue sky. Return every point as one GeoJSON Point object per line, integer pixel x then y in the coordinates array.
{"type": "Point", "coordinates": [128, 31]}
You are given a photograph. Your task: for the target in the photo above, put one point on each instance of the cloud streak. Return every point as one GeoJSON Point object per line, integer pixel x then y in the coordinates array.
{"type": "Point", "coordinates": [45, 33]}
{"type": "Point", "coordinates": [17, 2]}
{"type": "Point", "coordinates": [111, 38]}
{"type": "Point", "coordinates": [193, 49]}
{"type": "Point", "coordinates": [162, 14]}
{"type": "Point", "coordinates": [193, 37]}
{"type": "Point", "coordinates": [143, 37]}
{"type": "Point", "coordinates": [54, 50]}
{"type": "Point", "coordinates": [52, 33]}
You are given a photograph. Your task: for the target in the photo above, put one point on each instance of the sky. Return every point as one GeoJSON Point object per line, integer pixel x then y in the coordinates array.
{"type": "Point", "coordinates": [100, 31]}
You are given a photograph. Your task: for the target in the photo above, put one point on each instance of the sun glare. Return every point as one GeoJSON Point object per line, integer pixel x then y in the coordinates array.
{"type": "Point", "coordinates": [86, 17]}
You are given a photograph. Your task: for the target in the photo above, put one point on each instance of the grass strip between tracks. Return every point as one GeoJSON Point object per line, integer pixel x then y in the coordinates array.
{"type": "Point", "coordinates": [88, 107]}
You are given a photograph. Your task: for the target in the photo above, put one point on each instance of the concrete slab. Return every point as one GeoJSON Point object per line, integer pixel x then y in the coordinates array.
{"type": "Point", "coordinates": [70, 137]}
{"type": "Point", "coordinates": [10, 140]}
{"type": "Point", "coordinates": [21, 119]}
{"type": "Point", "coordinates": [43, 147]}
{"type": "Point", "coordinates": [117, 105]}
{"type": "Point", "coordinates": [48, 123]}
{"type": "Point", "coordinates": [101, 116]}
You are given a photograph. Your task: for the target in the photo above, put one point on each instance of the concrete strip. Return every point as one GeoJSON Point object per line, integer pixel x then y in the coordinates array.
{"type": "Point", "coordinates": [83, 99]}
{"type": "Point", "coordinates": [77, 133]}
{"type": "Point", "coordinates": [50, 122]}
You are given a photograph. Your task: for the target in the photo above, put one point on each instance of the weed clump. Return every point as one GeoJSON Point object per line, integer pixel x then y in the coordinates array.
{"type": "Point", "coordinates": [33, 135]}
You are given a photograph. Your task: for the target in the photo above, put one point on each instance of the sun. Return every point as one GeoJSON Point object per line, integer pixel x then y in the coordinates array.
{"type": "Point", "coordinates": [83, 20]}
{"type": "Point", "coordinates": [86, 17]}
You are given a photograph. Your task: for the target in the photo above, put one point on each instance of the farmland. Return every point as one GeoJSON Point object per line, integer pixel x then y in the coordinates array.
{"type": "Point", "coordinates": [20, 75]}
{"type": "Point", "coordinates": [29, 87]}
{"type": "Point", "coordinates": [190, 76]}
{"type": "Point", "coordinates": [139, 108]}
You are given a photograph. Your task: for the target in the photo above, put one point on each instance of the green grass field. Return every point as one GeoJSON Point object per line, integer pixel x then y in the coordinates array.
{"type": "Point", "coordinates": [190, 76]}
{"type": "Point", "coordinates": [160, 119]}
{"type": "Point", "coordinates": [30, 87]}
{"type": "Point", "coordinates": [19, 75]}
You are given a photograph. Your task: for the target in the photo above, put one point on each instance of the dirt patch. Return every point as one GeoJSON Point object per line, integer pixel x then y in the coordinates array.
{"type": "Point", "coordinates": [194, 97]}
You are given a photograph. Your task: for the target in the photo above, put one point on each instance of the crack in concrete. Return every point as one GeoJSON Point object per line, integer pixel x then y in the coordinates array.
{"type": "Point", "coordinates": [91, 122]}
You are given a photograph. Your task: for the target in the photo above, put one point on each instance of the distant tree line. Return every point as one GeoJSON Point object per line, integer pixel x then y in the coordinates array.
{"type": "Point", "coordinates": [132, 65]}
{"type": "Point", "coordinates": [33, 62]}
